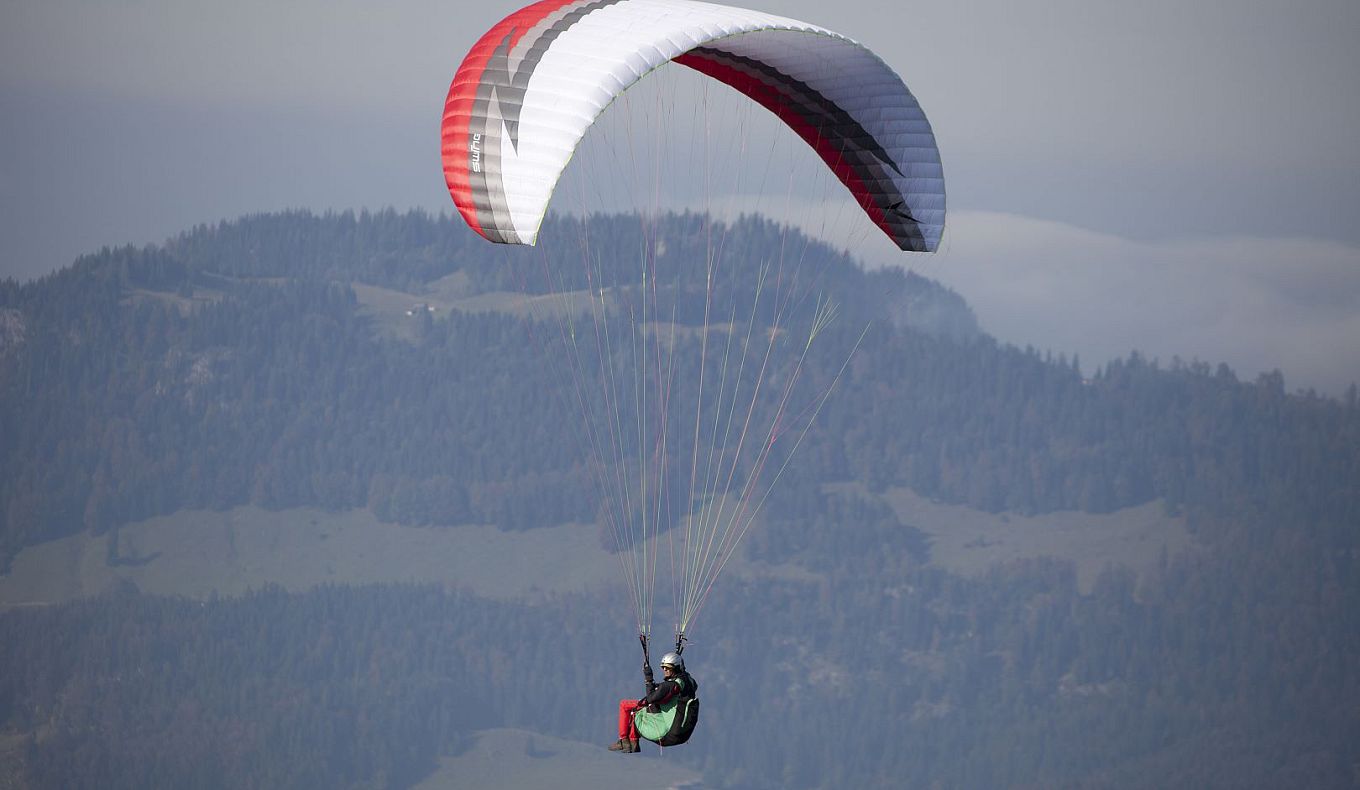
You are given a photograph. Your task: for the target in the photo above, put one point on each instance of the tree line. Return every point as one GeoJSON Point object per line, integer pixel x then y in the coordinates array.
{"type": "Point", "coordinates": [892, 674]}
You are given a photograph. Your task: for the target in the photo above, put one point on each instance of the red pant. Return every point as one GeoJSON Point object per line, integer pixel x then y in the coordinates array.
{"type": "Point", "coordinates": [627, 729]}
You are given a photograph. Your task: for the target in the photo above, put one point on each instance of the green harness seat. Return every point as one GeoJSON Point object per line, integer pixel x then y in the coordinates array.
{"type": "Point", "coordinates": [673, 723]}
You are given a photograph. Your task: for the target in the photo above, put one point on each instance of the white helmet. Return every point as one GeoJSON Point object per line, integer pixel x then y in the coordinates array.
{"type": "Point", "coordinates": [674, 661]}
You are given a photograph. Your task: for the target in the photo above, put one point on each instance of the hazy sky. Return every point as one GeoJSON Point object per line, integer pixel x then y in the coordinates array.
{"type": "Point", "coordinates": [1176, 177]}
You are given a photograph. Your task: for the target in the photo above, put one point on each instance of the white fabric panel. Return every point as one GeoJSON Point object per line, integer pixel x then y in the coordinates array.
{"type": "Point", "coordinates": [590, 64]}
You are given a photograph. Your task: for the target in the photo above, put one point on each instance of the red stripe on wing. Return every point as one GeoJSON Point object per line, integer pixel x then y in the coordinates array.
{"type": "Point", "coordinates": [454, 134]}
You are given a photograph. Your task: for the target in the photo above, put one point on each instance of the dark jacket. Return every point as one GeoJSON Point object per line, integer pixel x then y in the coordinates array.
{"type": "Point", "coordinates": [668, 689]}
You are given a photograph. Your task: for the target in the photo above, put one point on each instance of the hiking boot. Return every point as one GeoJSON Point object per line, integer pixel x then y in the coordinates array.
{"type": "Point", "coordinates": [634, 747]}
{"type": "Point", "coordinates": [623, 745]}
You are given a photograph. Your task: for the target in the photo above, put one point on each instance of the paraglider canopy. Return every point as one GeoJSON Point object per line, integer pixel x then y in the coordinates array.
{"type": "Point", "coordinates": [531, 86]}
{"type": "Point", "coordinates": [696, 368]}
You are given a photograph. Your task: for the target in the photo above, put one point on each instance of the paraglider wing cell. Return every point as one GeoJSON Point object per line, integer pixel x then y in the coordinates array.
{"type": "Point", "coordinates": [531, 86]}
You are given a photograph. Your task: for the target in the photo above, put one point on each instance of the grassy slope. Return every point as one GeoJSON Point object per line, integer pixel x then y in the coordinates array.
{"type": "Point", "coordinates": [968, 541]}
{"type": "Point", "coordinates": [197, 553]}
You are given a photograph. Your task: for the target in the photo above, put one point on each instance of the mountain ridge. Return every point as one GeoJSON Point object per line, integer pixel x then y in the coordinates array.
{"type": "Point", "coordinates": [881, 613]}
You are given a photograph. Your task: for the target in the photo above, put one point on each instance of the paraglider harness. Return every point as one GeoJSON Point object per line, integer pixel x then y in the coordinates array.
{"type": "Point", "coordinates": [685, 701]}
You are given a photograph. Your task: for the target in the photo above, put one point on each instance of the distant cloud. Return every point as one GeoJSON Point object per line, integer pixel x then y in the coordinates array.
{"type": "Point", "coordinates": [1254, 303]}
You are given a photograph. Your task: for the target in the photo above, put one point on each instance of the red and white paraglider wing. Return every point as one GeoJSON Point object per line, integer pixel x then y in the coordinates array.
{"type": "Point", "coordinates": [531, 86]}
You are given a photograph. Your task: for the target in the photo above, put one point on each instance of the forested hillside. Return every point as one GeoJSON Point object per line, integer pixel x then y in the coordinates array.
{"type": "Point", "coordinates": [237, 365]}
{"type": "Point", "coordinates": [347, 361]}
